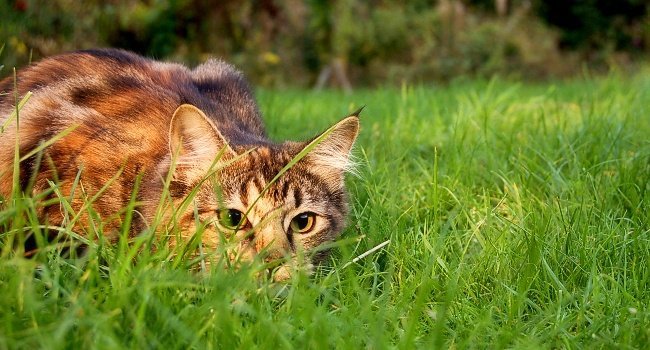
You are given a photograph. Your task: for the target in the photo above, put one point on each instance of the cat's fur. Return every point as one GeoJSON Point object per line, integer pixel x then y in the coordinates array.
{"type": "Point", "coordinates": [135, 117]}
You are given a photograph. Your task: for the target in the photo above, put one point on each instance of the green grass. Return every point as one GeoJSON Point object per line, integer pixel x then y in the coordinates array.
{"type": "Point", "coordinates": [518, 217]}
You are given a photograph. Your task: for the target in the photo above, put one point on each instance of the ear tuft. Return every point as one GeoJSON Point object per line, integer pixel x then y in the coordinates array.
{"type": "Point", "coordinates": [334, 150]}
{"type": "Point", "coordinates": [194, 141]}
{"type": "Point", "coordinates": [357, 112]}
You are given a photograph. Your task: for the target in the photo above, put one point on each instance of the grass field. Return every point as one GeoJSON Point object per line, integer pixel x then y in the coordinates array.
{"type": "Point", "coordinates": [518, 217]}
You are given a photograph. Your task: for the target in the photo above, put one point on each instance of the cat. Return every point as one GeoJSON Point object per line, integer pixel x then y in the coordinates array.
{"type": "Point", "coordinates": [128, 121]}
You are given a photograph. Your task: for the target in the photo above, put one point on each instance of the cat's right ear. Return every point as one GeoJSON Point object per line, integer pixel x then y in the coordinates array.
{"type": "Point", "coordinates": [194, 141]}
{"type": "Point", "coordinates": [332, 152]}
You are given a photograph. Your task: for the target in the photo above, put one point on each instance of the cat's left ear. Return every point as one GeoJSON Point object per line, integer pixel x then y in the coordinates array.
{"type": "Point", "coordinates": [335, 144]}
{"type": "Point", "coordinates": [194, 140]}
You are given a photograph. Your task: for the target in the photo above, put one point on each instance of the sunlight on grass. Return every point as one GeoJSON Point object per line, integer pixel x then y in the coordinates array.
{"type": "Point", "coordinates": [517, 217]}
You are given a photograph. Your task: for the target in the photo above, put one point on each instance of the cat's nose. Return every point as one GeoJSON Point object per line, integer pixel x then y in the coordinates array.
{"type": "Point", "coordinates": [272, 240]}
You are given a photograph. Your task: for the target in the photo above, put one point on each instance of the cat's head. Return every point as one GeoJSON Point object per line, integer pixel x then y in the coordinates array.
{"type": "Point", "coordinates": [274, 202]}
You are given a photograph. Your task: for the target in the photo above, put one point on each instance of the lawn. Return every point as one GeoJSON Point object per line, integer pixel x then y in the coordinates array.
{"type": "Point", "coordinates": [517, 216]}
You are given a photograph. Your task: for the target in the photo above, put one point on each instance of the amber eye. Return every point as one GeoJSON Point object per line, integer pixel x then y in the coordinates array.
{"type": "Point", "coordinates": [303, 223]}
{"type": "Point", "coordinates": [232, 219]}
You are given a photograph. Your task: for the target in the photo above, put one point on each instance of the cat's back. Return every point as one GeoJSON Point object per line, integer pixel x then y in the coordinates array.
{"type": "Point", "coordinates": [98, 79]}
{"type": "Point", "coordinates": [124, 87]}
{"type": "Point", "coordinates": [115, 108]}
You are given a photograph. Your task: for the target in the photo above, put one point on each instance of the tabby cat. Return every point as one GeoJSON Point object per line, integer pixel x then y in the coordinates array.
{"type": "Point", "coordinates": [130, 121]}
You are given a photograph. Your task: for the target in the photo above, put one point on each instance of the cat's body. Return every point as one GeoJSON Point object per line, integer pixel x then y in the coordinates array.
{"type": "Point", "coordinates": [132, 117]}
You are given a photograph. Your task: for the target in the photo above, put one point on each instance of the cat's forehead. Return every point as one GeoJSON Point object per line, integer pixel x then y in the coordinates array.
{"type": "Point", "coordinates": [257, 166]}
{"type": "Point", "coordinates": [256, 169]}
{"type": "Point", "coordinates": [265, 161]}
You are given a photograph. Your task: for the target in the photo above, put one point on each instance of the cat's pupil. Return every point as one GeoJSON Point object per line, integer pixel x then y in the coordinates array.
{"type": "Point", "coordinates": [234, 217]}
{"type": "Point", "coordinates": [302, 220]}
{"type": "Point", "coordinates": [231, 218]}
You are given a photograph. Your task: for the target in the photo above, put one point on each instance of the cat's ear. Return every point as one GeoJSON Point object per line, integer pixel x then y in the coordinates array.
{"type": "Point", "coordinates": [194, 141]}
{"type": "Point", "coordinates": [335, 144]}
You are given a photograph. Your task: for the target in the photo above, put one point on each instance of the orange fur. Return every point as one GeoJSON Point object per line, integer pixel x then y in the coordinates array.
{"type": "Point", "coordinates": [134, 117]}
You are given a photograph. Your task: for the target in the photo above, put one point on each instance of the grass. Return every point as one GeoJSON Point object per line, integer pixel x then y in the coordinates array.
{"type": "Point", "coordinates": [517, 214]}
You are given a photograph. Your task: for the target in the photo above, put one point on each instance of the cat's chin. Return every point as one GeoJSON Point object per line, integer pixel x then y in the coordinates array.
{"type": "Point", "coordinates": [284, 272]}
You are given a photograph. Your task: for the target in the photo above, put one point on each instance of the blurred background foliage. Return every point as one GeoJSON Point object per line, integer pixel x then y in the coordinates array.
{"type": "Point", "coordinates": [282, 43]}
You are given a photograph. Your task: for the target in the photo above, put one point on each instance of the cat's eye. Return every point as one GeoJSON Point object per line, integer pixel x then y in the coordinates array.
{"type": "Point", "coordinates": [303, 223]}
{"type": "Point", "coordinates": [232, 219]}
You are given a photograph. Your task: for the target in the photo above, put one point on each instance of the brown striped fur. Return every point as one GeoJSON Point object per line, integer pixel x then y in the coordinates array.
{"type": "Point", "coordinates": [136, 117]}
